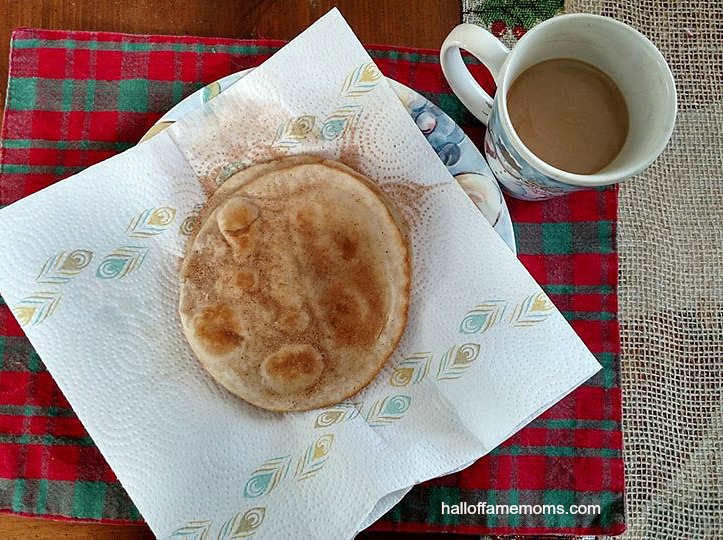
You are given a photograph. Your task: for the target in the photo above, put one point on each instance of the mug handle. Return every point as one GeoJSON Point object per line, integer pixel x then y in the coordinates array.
{"type": "Point", "coordinates": [488, 50]}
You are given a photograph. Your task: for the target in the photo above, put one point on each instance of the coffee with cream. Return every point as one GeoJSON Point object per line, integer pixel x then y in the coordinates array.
{"type": "Point", "coordinates": [569, 114]}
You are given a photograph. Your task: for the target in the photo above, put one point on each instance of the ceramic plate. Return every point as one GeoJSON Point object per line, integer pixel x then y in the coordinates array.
{"type": "Point", "coordinates": [461, 157]}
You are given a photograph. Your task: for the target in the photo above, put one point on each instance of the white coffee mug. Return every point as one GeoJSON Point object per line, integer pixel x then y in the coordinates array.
{"type": "Point", "coordinates": [628, 57]}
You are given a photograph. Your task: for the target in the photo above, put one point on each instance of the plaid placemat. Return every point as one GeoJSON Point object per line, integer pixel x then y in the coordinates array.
{"type": "Point", "coordinates": [76, 98]}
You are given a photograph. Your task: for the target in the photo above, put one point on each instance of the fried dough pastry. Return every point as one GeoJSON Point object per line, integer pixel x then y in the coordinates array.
{"type": "Point", "coordinates": [295, 288]}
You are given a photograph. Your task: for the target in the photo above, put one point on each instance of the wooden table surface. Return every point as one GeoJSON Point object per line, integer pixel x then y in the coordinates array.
{"type": "Point", "coordinates": [413, 23]}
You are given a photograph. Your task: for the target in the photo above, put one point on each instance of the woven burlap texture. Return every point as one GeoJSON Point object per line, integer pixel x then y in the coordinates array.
{"type": "Point", "coordinates": [670, 242]}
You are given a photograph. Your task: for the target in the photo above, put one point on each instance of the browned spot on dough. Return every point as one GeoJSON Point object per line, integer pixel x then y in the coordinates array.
{"type": "Point", "coordinates": [292, 368]}
{"type": "Point", "coordinates": [307, 217]}
{"type": "Point", "coordinates": [216, 329]}
{"type": "Point", "coordinates": [246, 279]}
{"type": "Point", "coordinates": [236, 215]}
{"type": "Point", "coordinates": [354, 307]}
{"type": "Point", "coordinates": [241, 243]}
{"type": "Point", "coordinates": [237, 220]}
{"type": "Point", "coordinates": [347, 243]}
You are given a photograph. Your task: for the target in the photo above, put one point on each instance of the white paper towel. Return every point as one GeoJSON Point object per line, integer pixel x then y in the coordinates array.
{"type": "Point", "coordinates": [89, 267]}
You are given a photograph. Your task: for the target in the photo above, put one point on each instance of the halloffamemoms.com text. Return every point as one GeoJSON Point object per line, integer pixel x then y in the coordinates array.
{"type": "Point", "coordinates": [518, 509]}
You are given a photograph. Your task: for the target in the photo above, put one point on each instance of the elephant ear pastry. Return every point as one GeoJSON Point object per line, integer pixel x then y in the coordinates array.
{"type": "Point", "coordinates": [295, 287]}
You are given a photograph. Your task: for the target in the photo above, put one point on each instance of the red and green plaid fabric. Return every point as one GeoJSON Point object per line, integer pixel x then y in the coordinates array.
{"type": "Point", "coordinates": [76, 98]}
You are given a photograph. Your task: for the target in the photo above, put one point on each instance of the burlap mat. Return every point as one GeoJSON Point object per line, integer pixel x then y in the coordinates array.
{"type": "Point", "coordinates": [670, 241]}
